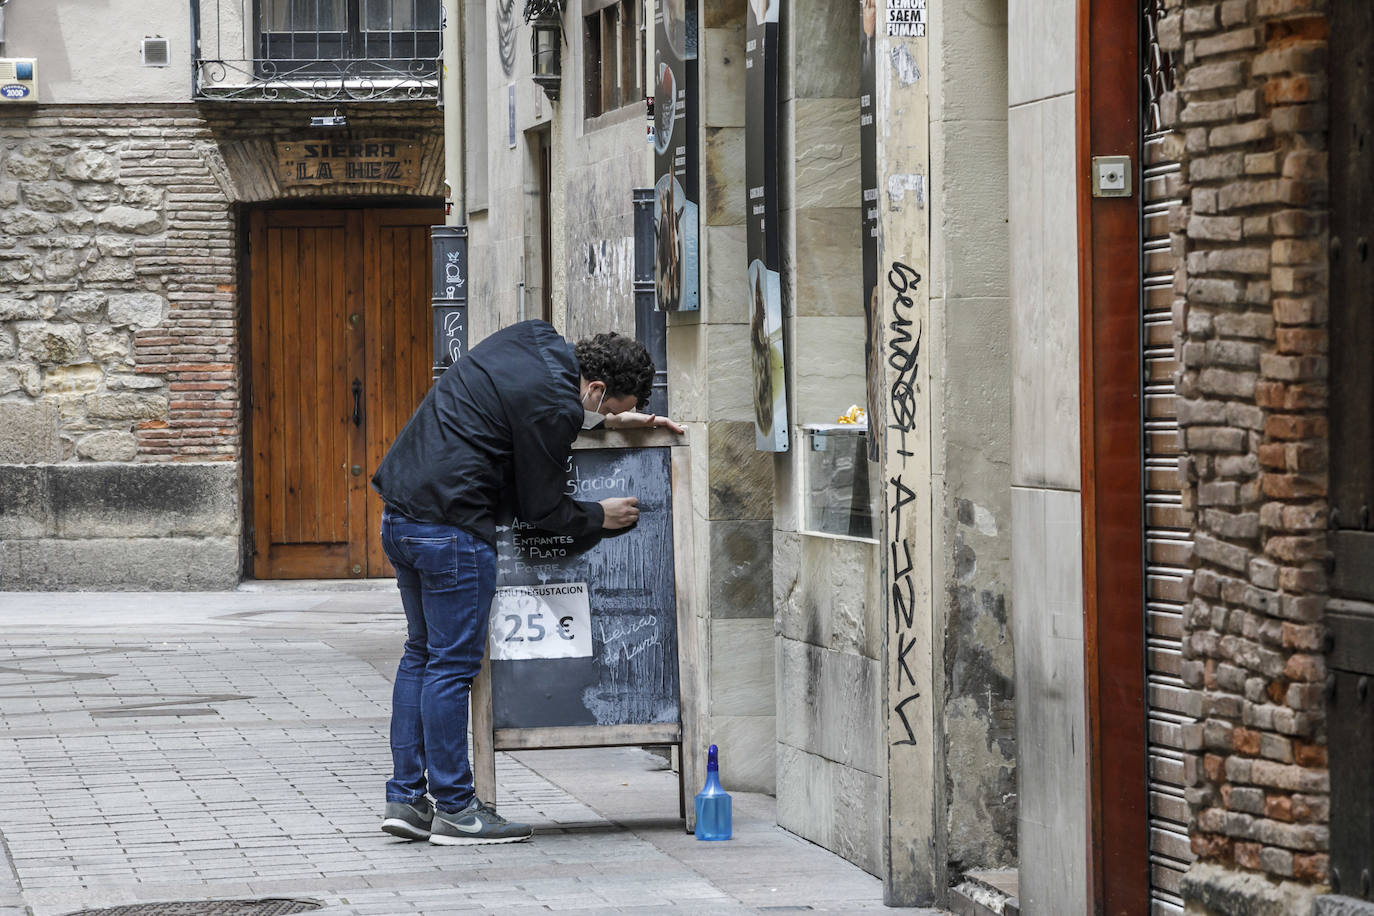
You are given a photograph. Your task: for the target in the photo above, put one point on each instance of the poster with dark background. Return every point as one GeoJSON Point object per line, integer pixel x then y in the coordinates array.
{"type": "Point", "coordinates": [868, 177]}
{"type": "Point", "coordinates": [761, 179]}
{"type": "Point", "coordinates": [676, 241]}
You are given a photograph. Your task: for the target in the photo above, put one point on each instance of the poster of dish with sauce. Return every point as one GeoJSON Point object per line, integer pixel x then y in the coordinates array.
{"type": "Point", "coordinates": [676, 227]}
{"type": "Point", "coordinates": [762, 226]}
{"type": "Point", "coordinates": [766, 359]}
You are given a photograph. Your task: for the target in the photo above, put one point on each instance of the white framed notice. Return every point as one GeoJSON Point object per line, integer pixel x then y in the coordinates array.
{"type": "Point", "coordinates": [541, 621]}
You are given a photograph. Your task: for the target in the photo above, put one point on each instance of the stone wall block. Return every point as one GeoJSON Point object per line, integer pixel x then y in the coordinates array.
{"type": "Point", "coordinates": [75, 379]}
{"type": "Point", "coordinates": [27, 222]}
{"type": "Point", "coordinates": [114, 246]}
{"type": "Point", "coordinates": [723, 171]}
{"type": "Point", "coordinates": [131, 382]}
{"type": "Point", "coordinates": [137, 310]}
{"type": "Point", "coordinates": [61, 265]}
{"type": "Point", "coordinates": [120, 563]}
{"type": "Point", "coordinates": [97, 196]}
{"type": "Point", "coordinates": [49, 196]}
{"type": "Point", "coordinates": [143, 197]}
{"type": "Point", "coordinates": [83, 305]}
{"type": "Point", "coordinates": [110, 345]}
{"type": "Point", "coordinates": [741, 554]}
{"type": "Point", "coordinates": [92, 165]}
{"type": "Point", "coordinates": [741, 476]}
{"type": "Point", "coordinates": [127, 406]}
{"type": "Point", "coordinates": [30, 435]}
{"type": "Point", "coordinates": [76, 221]}
{"type": "Point", "coordinates": [21, 309]}
{"type": "Point", "coordinates": [32, 161]}
{"type": "Point", "coordinates": [50, 344]}
{"type": "Point", "coordinates": [129, 219]}
{"type": "Point", "coordinates": [827, 153]}
{"type": "Point", "coordinates": [25, 512]}
{"type": "Point", "coordinates": [108, 445]}
{"type": "Point", "coordinates": [111, 270]}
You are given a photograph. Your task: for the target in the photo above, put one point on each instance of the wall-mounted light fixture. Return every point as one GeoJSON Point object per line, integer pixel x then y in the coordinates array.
{"type": "Point", "coordinates": [334, 120]}
{"type": "Point", "coordinates": [546, 44]}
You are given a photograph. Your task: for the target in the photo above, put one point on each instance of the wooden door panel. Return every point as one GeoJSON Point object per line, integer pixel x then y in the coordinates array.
{"type": "Point", "coordinates": [339, 297]}
{"type": "Point", "coordinates": [303, 449]}
{"type": "Point", "coordinates": [398, 342]}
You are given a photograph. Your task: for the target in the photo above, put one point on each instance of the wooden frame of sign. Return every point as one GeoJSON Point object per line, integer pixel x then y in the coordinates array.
{"type": "Point", "coordinates": [487, 739]}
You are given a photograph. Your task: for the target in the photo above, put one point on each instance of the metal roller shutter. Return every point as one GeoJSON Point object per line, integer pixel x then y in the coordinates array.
{"type": "Point", "coordinates": [1168, 536]}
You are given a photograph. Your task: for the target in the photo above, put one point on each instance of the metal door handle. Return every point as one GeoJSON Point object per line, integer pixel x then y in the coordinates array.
{"type": "Point", "coordinates": [357, 403]}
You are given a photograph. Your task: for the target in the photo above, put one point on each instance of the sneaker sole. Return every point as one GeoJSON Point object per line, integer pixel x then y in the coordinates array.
{"type": "Point", "coordinates": [444, 839]}
{"type": "Point", "coordinates": [404, 829]}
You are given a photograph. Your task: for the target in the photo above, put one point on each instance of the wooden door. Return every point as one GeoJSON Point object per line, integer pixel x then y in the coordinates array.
{"type": "Point", "coordinates": [340, 357]}
{"type": "Point", "coordinates": [399, 348]}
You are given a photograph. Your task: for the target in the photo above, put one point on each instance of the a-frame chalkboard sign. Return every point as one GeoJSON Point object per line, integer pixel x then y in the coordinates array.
{"type": "Point", "coordinates": [592, 641]}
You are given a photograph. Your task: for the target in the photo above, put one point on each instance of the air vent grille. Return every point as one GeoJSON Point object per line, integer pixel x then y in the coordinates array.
{"type": "Point", "coordinates": [156, 52]}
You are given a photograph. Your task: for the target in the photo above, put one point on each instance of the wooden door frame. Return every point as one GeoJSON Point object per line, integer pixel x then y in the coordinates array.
{"type": "Point", "coordinates": [1108, 123]}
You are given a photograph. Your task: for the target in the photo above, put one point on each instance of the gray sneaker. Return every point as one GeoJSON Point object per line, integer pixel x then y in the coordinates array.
{"type": "Point", "coordinates": [409, 822]}
{"type": "Point", "coordinates": [476, 825]}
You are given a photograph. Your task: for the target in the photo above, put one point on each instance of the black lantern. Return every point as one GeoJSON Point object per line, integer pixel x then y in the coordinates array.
{"type": "Point", "coordinates": [546, 44]}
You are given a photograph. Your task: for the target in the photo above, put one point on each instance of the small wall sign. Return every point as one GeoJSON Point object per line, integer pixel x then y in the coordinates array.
{"type": "Point", "coordinates": [327, 162]}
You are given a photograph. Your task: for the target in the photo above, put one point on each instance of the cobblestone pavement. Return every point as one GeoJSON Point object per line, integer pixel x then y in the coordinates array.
{"type": "Point", "coordinates": [207, 746]}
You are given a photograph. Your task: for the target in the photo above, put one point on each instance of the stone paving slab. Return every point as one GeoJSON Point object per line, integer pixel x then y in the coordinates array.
{"type": "Point", "coordinates": [208, 746]}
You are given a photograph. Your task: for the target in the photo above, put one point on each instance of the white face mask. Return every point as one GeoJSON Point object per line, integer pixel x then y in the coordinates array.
{"type": "Point", "coordinates": [591, 419]}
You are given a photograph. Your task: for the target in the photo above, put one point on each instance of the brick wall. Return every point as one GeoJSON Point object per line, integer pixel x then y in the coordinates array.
{"type": "Point", "coordinates": [119, 304]}
{"type": "Point", "coordinates": [1249, 116]}
{"type": "Point", "coordinates": [119, 288]}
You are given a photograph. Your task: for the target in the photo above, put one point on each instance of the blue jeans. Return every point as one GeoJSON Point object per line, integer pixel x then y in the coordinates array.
{"type": "Point", "coordinates": [447, 578]}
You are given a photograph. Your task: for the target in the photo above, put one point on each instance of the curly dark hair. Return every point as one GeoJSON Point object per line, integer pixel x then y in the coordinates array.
{"type": "Point", "coordinates": [621, 362]}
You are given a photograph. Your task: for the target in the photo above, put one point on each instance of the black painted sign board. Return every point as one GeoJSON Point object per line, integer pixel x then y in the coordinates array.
{"type": "Point", "coordinates": [584, 630]}
{"type": "Point", "coordinates": [449, 294]}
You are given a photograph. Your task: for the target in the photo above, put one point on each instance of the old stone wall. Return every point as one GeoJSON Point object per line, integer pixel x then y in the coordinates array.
{"type": "Point", "coordinates": [117, 324]}
{"type": "Point", "coordinates": [1249, 117]}
{"type": "Point", "coordinates": [119, 332]}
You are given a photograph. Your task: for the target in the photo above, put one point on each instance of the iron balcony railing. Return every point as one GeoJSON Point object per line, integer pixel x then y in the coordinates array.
{"type": "Point", "coordinates": [315, 50]}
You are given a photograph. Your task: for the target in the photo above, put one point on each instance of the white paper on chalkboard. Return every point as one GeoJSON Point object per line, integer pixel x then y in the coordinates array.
{"type": "Point", "coordinates": [541, 621]}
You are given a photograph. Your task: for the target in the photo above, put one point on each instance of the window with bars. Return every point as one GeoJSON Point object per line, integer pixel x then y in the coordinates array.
{"type": "Point", "coordinates": [351, 34]}
{"type": "Point", "coordinates": [612, 55]}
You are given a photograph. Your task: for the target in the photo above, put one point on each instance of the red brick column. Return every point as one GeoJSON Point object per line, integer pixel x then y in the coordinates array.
{"type": "Point", "coordinates": [1251, 116]}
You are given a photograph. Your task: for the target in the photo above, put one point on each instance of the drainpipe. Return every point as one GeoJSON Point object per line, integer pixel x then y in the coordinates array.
{"type": "Point", "coordinates": [452, 77]}
{"type": "Point", "coordinates": [2, 25]}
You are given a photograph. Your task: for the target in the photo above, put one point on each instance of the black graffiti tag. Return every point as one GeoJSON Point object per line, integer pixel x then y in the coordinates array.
{"type": "Point", "coordinates": [903, 354]}
{"type": "Point", "coordinates": [904, 349]}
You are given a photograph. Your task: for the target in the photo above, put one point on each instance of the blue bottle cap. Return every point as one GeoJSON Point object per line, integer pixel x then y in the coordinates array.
{"type": "Point", "coordinates": [712, 760]}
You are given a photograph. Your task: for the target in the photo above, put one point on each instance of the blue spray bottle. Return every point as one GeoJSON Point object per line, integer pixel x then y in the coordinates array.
{"type": "Point", "coordinates": [713, 803]}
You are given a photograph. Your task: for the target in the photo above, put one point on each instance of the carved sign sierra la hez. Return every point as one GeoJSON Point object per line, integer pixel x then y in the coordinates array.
{"type": "Point", "coordinates": [319, 162]}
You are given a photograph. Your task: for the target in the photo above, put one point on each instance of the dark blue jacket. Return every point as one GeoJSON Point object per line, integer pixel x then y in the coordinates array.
{"type": "Point", "coordinates": [502, 419]}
